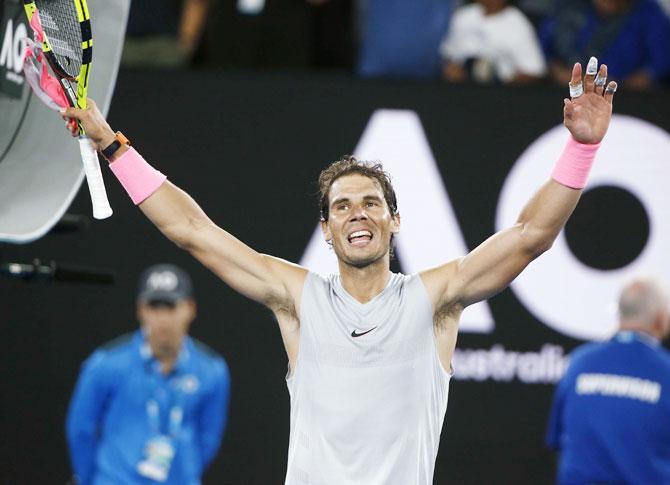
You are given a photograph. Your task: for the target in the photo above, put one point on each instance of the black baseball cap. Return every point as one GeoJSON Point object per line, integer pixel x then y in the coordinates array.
{"type": "Point", "coordinates": [164, 282]}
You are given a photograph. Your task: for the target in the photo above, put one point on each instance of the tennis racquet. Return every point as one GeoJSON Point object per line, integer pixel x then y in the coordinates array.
{"type": "Point", "coordinates": [64, 29]}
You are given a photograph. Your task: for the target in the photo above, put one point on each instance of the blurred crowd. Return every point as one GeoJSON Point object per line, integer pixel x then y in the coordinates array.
{"type": "Point", "coordinates": [481, 41]}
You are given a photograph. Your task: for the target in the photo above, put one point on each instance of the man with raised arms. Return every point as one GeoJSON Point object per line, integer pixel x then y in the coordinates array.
{"type": "Point", "coordinates": [369, 351]}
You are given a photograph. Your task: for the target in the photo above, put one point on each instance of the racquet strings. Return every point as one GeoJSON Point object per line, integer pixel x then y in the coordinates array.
{"type": "Point", "coordinates": [61, 26]}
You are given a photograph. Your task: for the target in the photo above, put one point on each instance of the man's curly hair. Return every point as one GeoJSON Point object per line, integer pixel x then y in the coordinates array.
{"type": "Point", "coordinates": [348, 165]}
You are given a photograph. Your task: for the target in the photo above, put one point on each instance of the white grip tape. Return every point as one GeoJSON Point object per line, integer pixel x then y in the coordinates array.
{"type": "Point", "coordinates": [96, 184]}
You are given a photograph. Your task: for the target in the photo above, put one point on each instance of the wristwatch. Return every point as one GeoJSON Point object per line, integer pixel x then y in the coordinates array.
{"type": "Point", "coordinates": [115, 145]}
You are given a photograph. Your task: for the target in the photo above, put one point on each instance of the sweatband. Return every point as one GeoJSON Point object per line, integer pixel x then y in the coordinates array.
{"type": "Point", "coordinates": [573, 166]}
{"type": "Point", "coordinates": [138, 177]}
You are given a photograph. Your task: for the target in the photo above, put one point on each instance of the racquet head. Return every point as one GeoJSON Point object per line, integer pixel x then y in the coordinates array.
{"type": "Point", "coordinates": [64, 28]}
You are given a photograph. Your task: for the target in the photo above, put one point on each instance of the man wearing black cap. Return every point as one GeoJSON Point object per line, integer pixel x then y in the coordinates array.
{"type": "Point", "coordinates": [151, 406]}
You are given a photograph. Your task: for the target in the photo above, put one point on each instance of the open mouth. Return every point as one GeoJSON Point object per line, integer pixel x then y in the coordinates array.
{"type": "Point", "coordinates": [359, 238]}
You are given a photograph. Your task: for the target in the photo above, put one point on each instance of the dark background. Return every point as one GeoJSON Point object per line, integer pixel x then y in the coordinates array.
{"type": "Point", "coordinates": [249, 147]}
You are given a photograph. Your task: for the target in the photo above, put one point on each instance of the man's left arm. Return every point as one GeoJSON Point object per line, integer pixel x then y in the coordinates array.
{"type": "Point", "coordinates": [214, 414]}
{"type": "Point", "coordinates": [490, 267]}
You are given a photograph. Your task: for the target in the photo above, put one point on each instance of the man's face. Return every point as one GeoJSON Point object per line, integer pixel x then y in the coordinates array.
{"type": "Point", "coordinates": [165, 324]}
{"type": "Point", "coordinates": [360, 223]}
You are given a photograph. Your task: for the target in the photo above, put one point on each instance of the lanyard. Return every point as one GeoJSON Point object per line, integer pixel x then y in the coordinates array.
{"type": "Point", "coordinates": [176, 413]}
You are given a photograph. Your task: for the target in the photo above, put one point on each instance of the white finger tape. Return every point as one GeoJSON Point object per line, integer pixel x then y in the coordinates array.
{"type": "Point", "coordinates": [576, 91]}
{"type": "Point", "coordinates": [592, 67]}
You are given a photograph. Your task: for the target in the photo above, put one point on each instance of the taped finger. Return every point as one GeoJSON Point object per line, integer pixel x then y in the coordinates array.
{"type": "Point", "coordinates": [576, 91]}
{"type": "Point", "coordinates": [610, 90]}
{"type": "Point", "coordinates": [592, 67]}
{"type": "Point", "coordinates": [591, 71]}
{"type": "Point", "coordinates": [601, 80]}
{"type": "Point", "coordinates": [599, 84]}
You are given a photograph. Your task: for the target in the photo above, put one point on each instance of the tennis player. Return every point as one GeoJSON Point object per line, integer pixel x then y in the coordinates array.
{"type": "Point", "coordinates": [369, 350]}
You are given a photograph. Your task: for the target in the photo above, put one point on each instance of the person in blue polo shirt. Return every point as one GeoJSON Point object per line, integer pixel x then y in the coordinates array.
{"type": "Point", "coordinates": [151, 406]}
{"type": "Point", "coordinates": [610, 419]}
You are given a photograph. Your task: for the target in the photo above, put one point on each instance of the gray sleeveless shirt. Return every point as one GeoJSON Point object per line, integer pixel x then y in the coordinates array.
{"type": "Point", "coordinates": [368, 393]}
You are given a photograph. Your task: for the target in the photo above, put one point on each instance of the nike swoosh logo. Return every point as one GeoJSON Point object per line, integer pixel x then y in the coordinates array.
{"type": "Point", "coordinates": [354, 334]}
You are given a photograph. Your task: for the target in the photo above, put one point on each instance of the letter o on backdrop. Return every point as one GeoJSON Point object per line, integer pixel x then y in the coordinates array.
{"type": "Point", "coordinates": [566, 293]}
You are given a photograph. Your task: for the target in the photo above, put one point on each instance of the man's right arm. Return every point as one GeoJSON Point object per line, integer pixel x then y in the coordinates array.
{"type": "Point", "coordinates": [271, 281]}
{"type": "Point", "coordinates": [266, 279]}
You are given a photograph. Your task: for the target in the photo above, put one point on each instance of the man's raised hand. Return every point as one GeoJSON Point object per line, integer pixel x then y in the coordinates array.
{"type": "Point", "coordinates": [587, 114]}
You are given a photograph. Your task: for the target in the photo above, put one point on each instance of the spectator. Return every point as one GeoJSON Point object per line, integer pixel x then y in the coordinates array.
{"type": "Point", "coordinates": [631, 36]}
{"type": "Point", "coordinates": [150, 406]}
{"type": "Point", "coordinates": [611, 414]}
{"type": "Point", "coordinates": [491, 41]}
{"type": "Point", "coordinates": [401, 38]}
{"type": "Point", "coordinates": [164, 33]}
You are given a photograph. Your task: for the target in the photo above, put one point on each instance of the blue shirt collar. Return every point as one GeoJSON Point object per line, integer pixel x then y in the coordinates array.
{"type": "Point", "coordinates": [147, 354]}
{"type": "Point", "coordinates": [627, 336]}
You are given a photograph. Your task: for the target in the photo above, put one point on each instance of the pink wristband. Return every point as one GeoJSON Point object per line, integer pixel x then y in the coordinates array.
{"type": "Point", "coordinates": [573, 166]}
{"type": "Point", "coordinates": [138, 177]}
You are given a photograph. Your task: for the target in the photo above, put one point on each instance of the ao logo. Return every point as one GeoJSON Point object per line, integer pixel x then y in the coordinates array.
{"type": "Point", "coordinates": [558, 289]}
{"type": "Point", "coordinates": [165, 281]}
{"type": "Point", "coordinates": [11, 55]}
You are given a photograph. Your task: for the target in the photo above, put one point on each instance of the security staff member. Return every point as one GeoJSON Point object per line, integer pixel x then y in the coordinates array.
{"type": "Point", "coordinates": [150, 407]}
